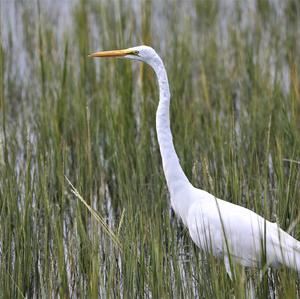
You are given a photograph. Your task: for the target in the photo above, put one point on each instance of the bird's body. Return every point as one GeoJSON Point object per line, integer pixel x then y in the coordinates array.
{"type": "Point", "coordinates": [227, 230]}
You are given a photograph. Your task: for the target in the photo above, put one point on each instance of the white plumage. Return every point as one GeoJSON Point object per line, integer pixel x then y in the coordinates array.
{"type": "Point", "coordinates": [227, 230]}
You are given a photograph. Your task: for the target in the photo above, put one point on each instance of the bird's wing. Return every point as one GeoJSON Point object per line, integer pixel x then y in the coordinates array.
{"type": "Point", "coordinates": [227, 228]}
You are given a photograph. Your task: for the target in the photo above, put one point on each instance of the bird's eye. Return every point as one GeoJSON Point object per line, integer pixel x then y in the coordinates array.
{"type": "Point", "coordinates": [135, 53]}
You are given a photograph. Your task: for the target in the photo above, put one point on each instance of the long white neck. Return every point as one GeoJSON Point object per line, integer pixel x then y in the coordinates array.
{"type": "Point", "coordinates": [174, 174]}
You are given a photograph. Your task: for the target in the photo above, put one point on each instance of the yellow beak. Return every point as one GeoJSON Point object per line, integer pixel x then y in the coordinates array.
{"type": "Point", "coordinates": [114, 53]}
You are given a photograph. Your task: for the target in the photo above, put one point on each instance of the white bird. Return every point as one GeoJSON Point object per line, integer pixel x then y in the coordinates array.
{"type": "Point", "coordinates": [229, 231]}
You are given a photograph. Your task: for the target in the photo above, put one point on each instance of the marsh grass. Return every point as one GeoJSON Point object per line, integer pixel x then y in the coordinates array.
{"type": "Point", "coordinates": [234, 77]}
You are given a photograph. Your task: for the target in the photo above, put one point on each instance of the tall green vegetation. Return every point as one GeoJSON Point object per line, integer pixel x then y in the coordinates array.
{"type": "Point", "coordinates": [234, 78]}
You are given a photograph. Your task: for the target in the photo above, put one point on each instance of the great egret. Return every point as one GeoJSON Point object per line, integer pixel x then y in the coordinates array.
{"type": "Point", "coordinates": [227, 230]}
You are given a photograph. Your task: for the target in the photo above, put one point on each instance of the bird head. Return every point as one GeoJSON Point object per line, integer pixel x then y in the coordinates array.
{"type": "Point", "coordinates": [141, 53]}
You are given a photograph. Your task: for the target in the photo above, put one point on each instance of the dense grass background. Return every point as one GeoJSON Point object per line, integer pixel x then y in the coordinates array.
{"type": "Point", "coordinates": [234, 75]}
